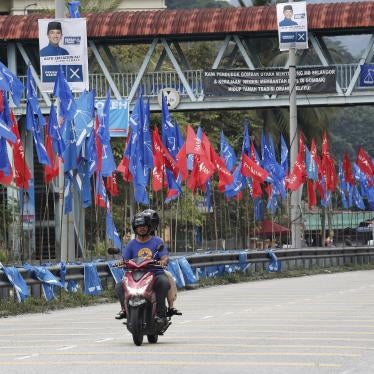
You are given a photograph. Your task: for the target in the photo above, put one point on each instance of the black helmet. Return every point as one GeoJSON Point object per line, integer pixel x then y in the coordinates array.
{"type": "Point", "coordinates": [140, 219]}
{"type": "Point", "coordinates": [154, 218]}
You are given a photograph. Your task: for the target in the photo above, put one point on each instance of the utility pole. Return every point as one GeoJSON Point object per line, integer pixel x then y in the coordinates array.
{"type": "Point", "coordinates": [294, 143]}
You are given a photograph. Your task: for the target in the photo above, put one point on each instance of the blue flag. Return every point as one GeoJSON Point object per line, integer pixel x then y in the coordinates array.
{"type": "Point", "coordinates": [246, 147]}
{"type": "Point", "coordinates": [70, 154]}
{"type": "Point", "coordinates": [74, 9]}
{"type": "Point", "coordinates": [111, 231]}
{"type": "Point", "coordinates": [39, 146]}
{"type": "Point", "coordinates": [68, 192]}
{"type": "Point", "coordinates": [108, 163]}
{"type": "Point", "coordinates": [227, 153]}
{"type": "Point", "coordinates": [9, 82]}
{"type": "Point", "coordinates": [34, 115]}
{"type": "Point", "coordinates": [5, 132]}
{"type": "Point", "coordinates": [54, 132]}
{"type": "Point", "coordinates": [92, 282]}
{"type": "Point", "coordinates": [117, 273]}
{"type": "Point", "coordinates": [17, 281]}
{"type": "Point", "coordinates": [284, 155]}
{"type": "Point", "coordinates": [62, 90]}
{"type": "Point", "coordinates": [84, 116]}
{"type": "Point", "coordinates": [342, 186]}
{"type": "Point", "coordinates": [5, 166]}
{"type": "Point", "coordinates": [46, 277]}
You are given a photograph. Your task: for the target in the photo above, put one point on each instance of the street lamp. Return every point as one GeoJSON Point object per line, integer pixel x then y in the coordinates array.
{"type": "Point", "coordinates": [28, 6]}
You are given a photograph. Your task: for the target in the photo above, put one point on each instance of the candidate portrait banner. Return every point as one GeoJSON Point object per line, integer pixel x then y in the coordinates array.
{"type": "Point", "coordinates": [292, 25]}
{"type": "Point", "coordinates": [63, 42]}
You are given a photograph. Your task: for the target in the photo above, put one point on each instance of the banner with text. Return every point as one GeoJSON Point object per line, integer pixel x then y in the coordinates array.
{"type": "Point", "coordinates": [118, 116]}
{"type": "Point", "coordinates": [268, 82]}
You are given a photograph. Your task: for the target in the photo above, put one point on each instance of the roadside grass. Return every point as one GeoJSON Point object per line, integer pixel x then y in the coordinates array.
{"type": "Point", "coordinates": [10, 307]}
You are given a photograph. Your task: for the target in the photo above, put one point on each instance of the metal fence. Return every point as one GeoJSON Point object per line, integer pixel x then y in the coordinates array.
{"type": "Point", "coordinates": [306, 258]}
{"type": "Point", "coordinates": [152, 82]}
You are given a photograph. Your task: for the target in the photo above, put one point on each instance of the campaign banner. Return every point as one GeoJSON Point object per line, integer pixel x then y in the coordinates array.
{"type": "Point", "coordinates": [268, 82]}
{"type": "Point", "coordinates": [118, 116]}
{"type": "Point", "coordinates": [63, 41]}
{"type": "Point", "coordinates": [367, 75]}
{"type": "Point", "coordinates": [292, 25]}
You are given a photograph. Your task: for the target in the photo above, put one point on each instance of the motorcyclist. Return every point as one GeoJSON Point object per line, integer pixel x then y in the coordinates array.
{"type": "Point", "coordinates": [172, 293]}
{"type": "Point", "coordinates": [147, 246]}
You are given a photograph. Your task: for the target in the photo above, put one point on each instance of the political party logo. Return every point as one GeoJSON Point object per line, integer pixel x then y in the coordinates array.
{"type": "Point", "coordinates": [72, 40]}
{"type": "Point", "coordinates": [145, 253]}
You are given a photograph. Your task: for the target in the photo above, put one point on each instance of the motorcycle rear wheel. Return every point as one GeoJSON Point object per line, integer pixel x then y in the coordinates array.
{"type": "Point", "coordinates": [152, 339]}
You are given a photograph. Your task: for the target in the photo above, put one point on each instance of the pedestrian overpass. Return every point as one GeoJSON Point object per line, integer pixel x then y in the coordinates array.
{"type": "Point", "coordinates": [236, 33]}
{"type": "Point", "coordinates": [163, 39]}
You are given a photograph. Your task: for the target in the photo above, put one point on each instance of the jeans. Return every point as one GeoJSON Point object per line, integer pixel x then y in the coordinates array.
{"type": "Point", "coordinates": [161, 288]}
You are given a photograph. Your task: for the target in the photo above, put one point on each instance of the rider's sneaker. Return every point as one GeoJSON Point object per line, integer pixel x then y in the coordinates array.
{"type": "Point", "coordinates": [173, 312]}
{"type": "Point", "coordinates": [121, 315]}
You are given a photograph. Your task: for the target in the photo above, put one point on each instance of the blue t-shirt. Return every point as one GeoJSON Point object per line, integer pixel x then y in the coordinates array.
{"type": "Point", "coordinates": [51, 50]}
{"type": "Point", "coordinates": [287, 22]}
{"type": "Point", "coordinates": [147, 249]}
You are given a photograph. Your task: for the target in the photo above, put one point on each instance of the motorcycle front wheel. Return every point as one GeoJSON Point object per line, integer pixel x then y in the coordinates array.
{"type": "Point", "coordinates": [152, 338]}
{"type": "Point", "coordinates": [135, 323]}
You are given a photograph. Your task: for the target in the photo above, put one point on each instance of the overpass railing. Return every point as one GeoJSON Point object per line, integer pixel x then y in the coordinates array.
{"type": "Point", "coordinates": [153, 82]}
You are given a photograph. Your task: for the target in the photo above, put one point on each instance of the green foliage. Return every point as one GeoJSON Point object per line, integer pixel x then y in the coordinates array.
{"type": "Point", "coordinates": [95, 6]}
{"type": "Point", "coordinates": [350, 128]}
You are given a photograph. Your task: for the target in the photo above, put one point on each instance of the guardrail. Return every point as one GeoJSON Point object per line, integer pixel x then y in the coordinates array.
{"type": "Point", "coordinates": [290, 259]}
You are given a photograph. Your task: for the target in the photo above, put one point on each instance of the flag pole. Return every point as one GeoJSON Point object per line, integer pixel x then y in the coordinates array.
{"type": "Point", "coordinates": [66, 236]}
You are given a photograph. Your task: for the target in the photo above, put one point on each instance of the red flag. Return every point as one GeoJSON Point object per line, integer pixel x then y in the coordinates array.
{"type": "Point", "coordinates": [193, 143]}
{"type": "Point", "coordinates": [314, 155]}
{"type": "Point", "coordinates": [158, 172]}
{"type": "Point", "coordinates": [111, 185]}
{"type": "Point", "coordinates": [21, 169]}
{"type": "Point", "coordinates": [123, 166]}
{"type": "Point", "coordinates": [50, 172]}
{"type": "Point", "coordinates": [182, 162]}
{"type": "Point", "coordinates": [6, 180]}
{"type": "Point", "coordinates": [325, 144]}
{"type": "Point", "coordinates": [167, 158]}
{"type": "Point", "coordinates": [364, 163]}
{"type": "Point", "coordinates": [347, 167]}
{"type": "Point", "coordinates": [225, 177]}
{"type": "Point", "coordinates": [312, 198]}
{"type": "Point", "coordinates": [249, 168]}
{"type": "Point", "coordinates": [298, 174]}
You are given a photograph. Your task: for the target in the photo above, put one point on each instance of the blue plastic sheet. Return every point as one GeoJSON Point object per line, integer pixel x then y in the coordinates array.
{"type": "Point", "coordinates": [49, 281]}
{"type": "Point", "coordinates": [274, 264]}
{"type": "Point", "coordinates": [189, 276]}
{"type": "Point", "coordinates": [176, 272]}
{"type": "Point", "coordinates": [19, 284]}
{"type": "Point", "coordinates": [92, 282]}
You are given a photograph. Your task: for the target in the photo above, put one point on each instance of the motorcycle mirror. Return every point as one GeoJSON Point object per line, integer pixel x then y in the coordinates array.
{"type": "Point", "coordinates": [113, 251]}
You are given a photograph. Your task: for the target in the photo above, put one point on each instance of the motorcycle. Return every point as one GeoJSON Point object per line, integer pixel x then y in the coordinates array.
{"type": "Point", "coordinates": [140, 300]}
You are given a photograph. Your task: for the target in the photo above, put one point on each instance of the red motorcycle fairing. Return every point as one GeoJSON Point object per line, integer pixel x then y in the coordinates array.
{"type": "Point", "coordinates": [138, 284]}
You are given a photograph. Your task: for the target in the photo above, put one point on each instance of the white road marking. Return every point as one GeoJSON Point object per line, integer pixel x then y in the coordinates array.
{"type": "Point", "coordinates": [65, 347]}
{"type": "Point", "coordinates": [206, 317]}
{"type": "Point", "coordinates": [26, 357]}
{"type": "Point", "coordinates": [104, 340]}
